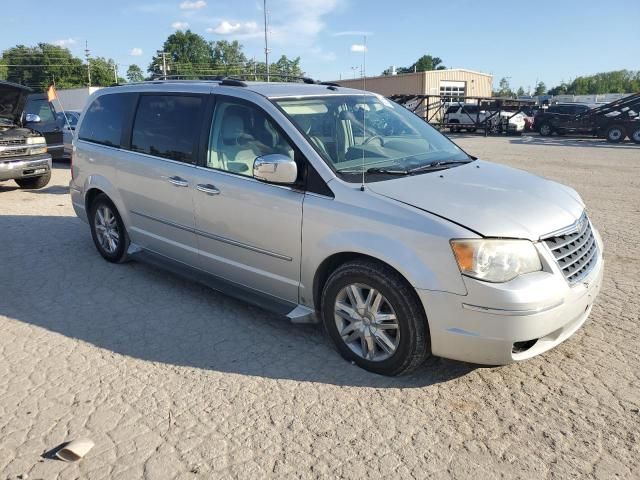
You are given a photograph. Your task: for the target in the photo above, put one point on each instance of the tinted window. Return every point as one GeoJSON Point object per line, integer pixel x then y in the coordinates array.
{"type": "Point", "coordinates": [103, 120]}
{"type": "Point", "coordinates": [470, 109]}
{"type": "Point", "coordinates": [42, 108]}
{"type": "Point", "coordinates": [453, 109]}
{"type": "Point", "coordinates": [239, 134]}
{"type": "Point", "coordinates": [167, 126]}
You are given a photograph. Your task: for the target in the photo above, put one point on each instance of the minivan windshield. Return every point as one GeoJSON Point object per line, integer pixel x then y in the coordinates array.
{"type": "Point", "coordinates": [368, 133]}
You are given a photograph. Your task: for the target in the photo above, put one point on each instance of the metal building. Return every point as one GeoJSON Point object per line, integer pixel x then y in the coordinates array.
{"type": "Point", "coordinates": [455, 82]}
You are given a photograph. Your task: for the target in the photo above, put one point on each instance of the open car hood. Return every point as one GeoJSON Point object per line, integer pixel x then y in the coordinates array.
{"type": "Point", "coordinates": [13, 98]}
{"type": "Point", "coordinates": [490, 199]}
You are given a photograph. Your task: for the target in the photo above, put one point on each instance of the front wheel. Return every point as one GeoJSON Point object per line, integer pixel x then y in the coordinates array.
{"type": "Point", "coordinates": [375, 319]}
{"type": "Point", "coordinates": [34, 183]}
{"type": "Point", "coordinates": [108, 231]}
{"type": "Point", "coordinates": [635, 135]}
{"type": "Point", "coordinates": [545, 130]}
{"type": "Point", "coordinates": [615, 134]}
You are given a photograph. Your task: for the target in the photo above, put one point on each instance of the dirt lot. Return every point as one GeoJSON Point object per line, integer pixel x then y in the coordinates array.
{"type": "Point", "coordinates": [172, 380]}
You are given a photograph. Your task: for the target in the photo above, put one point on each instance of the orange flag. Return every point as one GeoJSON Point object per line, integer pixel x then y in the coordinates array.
{"type": "Point", "coordinates": [51, 93]}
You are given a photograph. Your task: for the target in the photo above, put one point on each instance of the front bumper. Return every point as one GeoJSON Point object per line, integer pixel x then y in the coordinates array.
{"type": "Point", "coordinates": [24, 167]}
{"type": "Point", "coordinates": [535, 312]}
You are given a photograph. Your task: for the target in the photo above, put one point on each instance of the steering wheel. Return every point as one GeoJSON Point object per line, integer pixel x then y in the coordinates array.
{"type": "Point", "coordinates": [372, 138]}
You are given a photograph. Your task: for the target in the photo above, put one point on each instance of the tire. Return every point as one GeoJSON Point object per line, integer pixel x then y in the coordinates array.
{"type": "Point", "coordinates": [471, 130]}
{"type": "Point", "coordinates": [635, 135]}
{"type": "Point", "coordinates": [396, 349]}
{"type": "Point", "coordinates": [34, 183]}
{"type": "Point", "coordinates": [453, 129]}
{"type": "Point", "coordinates": [545, 130]}
{"type": "Point", "coordinates": [615, 134]}
{"type": "Point", "coordinates": [107, 230]}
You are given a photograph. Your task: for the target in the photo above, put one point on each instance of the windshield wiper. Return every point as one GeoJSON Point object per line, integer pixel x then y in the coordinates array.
{"type": "Point", "coordinates": [389, 171]}
{"type": "Point", "coordinates": [441, 165]}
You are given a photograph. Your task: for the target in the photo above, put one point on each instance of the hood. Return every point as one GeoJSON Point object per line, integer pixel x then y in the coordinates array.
{"type": "Point", "coordinates": [490, 199]}
{"type": "Point", "coordinates": [13, 98]}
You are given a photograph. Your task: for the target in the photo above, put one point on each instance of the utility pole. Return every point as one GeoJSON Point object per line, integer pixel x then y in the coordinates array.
{"type": "Point", "coordinates": [164, 63]}
{"type": "Point", "coordinates": [86, 53]}
{"type": "Point", "coordinates": [266, 41]}
{"type": "Point", "coordinates": [115, 72]}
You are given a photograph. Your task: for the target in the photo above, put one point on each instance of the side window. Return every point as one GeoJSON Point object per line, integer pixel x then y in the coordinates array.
{"type": "Point", "coordinates": [239, 134]}
{"type": "Point", "coordinates": [42, 108]}
{"type": "Point", "coordinates": [471, 109]}
{"type": "Point", "coordinates": [452, 109]}
{"type": "Point", "coordinates": [167, 126]}
{"type": "Point", "coordinates": [104, 118]}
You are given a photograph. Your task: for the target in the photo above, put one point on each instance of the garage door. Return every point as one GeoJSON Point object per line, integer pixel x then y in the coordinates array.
{"type": "Point", "coordinates": [452, 90]}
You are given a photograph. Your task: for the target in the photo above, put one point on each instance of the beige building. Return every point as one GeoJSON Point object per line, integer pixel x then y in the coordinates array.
{"type": "Point", "coordinates": [455, 82]}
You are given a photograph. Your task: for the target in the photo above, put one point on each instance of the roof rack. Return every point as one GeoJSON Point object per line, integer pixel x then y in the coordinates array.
{"type": "Point", "coordinates": [230, 80]}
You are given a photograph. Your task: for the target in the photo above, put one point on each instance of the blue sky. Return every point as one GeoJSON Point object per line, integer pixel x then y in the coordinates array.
{"type": "Point", "coordinates": [546, 40]}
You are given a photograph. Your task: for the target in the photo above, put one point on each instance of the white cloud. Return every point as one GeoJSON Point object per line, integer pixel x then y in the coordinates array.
{"type": "Point", "coordinates": [180, 25]}
{"type": "Point", "coordinates": [136, 52]}
{"type": "Point", "coordinates": [65, 42]}
{"type": "Point", "coordinates": [193, 4]}
{"type": "Point", "coordinates": [229, 28]}
{"type": "Point", "coordinates": [357, 47]}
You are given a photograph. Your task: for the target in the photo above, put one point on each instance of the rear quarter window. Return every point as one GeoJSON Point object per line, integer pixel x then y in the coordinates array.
{"type": "Point", "coordinates": [105, 117]}
{"type": "Point", "coordinates": [168, 126]}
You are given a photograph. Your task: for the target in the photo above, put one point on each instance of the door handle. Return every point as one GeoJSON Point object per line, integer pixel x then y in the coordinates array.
{"type": "Point", "coordinates": [178, 182]}
{"type": "Point", "coordinates": [208, 189]}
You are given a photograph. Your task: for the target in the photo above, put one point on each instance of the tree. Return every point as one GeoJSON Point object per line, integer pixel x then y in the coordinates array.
{"type": "Point", "coordinates": [134, 74]}
{"type": "Point", "coordinates": [541, 89]}
{"type": "Point", "coordinates": [617, 81]}
{"type": "Point", "coordinates": [187, 53]}
{"type": "Point", "coordinates": [520, 92]}
{"type": "Point", "coordinates": [39, 66]}
{"type": "Point", "coordinates": [287, 68]}
{"type": "Point", "coordinates": [103, 72]}
{"type": "Point", "coordinates": [425, 63]}
{"type": "Point", "coordinates": [505, 88]}
{"type": "Point", "coordinates": [227, 57]}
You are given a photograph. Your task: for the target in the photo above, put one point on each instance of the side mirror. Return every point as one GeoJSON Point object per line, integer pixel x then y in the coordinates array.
{"type": "Point", "coordinates": [275, 168]}
{"type": "Point", "coordinates": [32, 118]}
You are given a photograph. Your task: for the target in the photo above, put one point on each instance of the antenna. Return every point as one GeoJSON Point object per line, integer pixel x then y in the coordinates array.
{"type": "Point", "coordinates": [266, 42]}
{"type": "Point", "coordinates": [364, 98]}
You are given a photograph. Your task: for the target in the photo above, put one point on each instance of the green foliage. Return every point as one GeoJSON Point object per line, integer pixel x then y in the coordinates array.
{"type": "Point", "coordinates": [227, 57]}
{"type": "Point", "coordinates": [103, 72]}
{"type": "Point", "coordinates": [541, 89]}
{"type": "Point", "coordinates": [425, 63]}
{"type": "Point", "coordinates": [39, 66]}
{"type": "Point", "coordinates": [520, 92]}
{"type": "Point", "coordinates": [186, 54]}
{"type": "Point", "coordinates": [505, 89]}
{"type": "Point", "coordinates": [134, 74]}
{"type": "Point", "coordinates": [618, 81]}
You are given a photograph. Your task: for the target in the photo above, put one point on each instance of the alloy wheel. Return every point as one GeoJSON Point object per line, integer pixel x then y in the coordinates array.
{"type": "Point", "coordinates": [107, 230]}
{"type": "Point", "coordinates": [367, 323]}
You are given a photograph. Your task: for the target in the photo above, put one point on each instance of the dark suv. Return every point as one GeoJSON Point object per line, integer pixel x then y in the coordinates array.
{"type": "Point", "coordinates": [563, 118]}
{"type": "Point", "coordinates": [38, 104]}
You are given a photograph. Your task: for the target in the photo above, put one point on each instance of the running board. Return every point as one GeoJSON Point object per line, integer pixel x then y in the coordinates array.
{"type": "Point", "coordinates": [302, 314]}
{"type": "Point", "coordinates": [295, 313]}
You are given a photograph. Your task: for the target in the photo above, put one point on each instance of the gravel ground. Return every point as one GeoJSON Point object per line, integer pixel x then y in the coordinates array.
{"type": "Point", "coordinates": [172, 380]}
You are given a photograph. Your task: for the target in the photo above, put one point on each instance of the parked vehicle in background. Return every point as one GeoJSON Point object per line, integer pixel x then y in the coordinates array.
{"type": "Point", "coordinates": [614, 121]}
{"type": "Point", "coordinates": [68, 121]}
{"type": "Point", "coordinates": [470, 117]}
{"type": "Point", "coordinates": [23, 151]}
{"type": "Point", "coordinates": [563, 118]}
{"type": "Point", "coordinates": [39, 105]}
{"type": "Point", "coordinates": [406, 246]}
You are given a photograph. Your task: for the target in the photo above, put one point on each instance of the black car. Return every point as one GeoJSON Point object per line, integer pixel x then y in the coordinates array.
{"type": "Point", "coordinates": [563, 118]}
{"type": "Point", "coordinates": [49, 126]}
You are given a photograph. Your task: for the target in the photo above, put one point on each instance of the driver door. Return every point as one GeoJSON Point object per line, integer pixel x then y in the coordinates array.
{"type": "Point", "coordinates": [248, 231]}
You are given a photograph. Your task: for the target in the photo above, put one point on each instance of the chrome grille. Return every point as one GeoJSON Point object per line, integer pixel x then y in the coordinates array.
{"type": "Point", "coordinates": [13, 153]}
{"type": "Point", "coordinates": [575, 252]}
{"type": "Point", "coordinates": [9, 142]}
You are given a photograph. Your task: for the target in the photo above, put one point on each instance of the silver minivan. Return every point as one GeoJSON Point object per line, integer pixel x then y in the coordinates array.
{"type": "Point", "coordinates": [335, 205]}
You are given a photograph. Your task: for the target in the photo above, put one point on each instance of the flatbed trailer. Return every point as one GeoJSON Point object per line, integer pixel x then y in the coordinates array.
{"type": "Point", "coordinates": [616, 120]}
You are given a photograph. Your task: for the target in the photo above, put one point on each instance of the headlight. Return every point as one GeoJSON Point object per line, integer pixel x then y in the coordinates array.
{"type": "Point", "coordinates": [35, 140]}
{"type": "Point", "coordinates": [37, 150]}
{"type": "Point", "coordinates": [496, 260]}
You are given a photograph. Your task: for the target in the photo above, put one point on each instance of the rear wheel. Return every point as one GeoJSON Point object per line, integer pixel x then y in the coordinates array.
{"type": "Point", "coordinates": [374, 318]}
{"type": "Point", "coordinates": [615, 134]}
{"type": "Point", "coordinates": [471, 130]}
{"type": "Point", "coordinates": [635, 135]}
{"type": "Point", "coordinates": [545, 130]}
{"type": "Point", "coordinates": [107, 230]}
{"type": "Point", "coordinates": [454, 129]}
{"type": "Point", "coordinates": [34, 183]}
